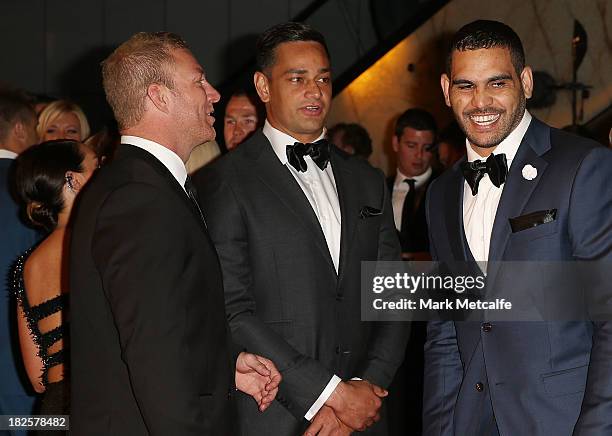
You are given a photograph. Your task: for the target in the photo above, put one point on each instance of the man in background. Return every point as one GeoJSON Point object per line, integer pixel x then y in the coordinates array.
{"type": "Point", "coordinates": [243, 115]}
{"type": "Point", "coordinates": [17, 133]}
{"type": "Point", "coordinates": [413, 142]}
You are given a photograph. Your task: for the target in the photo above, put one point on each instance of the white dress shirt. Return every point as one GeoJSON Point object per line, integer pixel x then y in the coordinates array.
{"type": "Point", "coordinates": [167, 157]}
{"type": "Point", "coordinates": [319, 187]}
{"type": "Point", "coordinates": [400, 190]}
{"type": "Point", "coordinates": [479, 210]}
{"type": "Point", "coordinates": [7, 154]}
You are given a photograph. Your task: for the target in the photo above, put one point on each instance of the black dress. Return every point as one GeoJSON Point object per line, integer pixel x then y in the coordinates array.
{"type": "Point", "coordinates": [56, 398]}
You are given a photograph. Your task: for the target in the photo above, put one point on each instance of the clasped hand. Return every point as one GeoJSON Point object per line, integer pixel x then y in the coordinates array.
{"type": "Point", "coordinates": [354, 405]}
{"type": "Point", "coordinates": [257, 377]}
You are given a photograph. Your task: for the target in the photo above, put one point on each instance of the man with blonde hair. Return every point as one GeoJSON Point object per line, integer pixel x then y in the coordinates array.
{"type": "Point", "coordinates": [150, 348]}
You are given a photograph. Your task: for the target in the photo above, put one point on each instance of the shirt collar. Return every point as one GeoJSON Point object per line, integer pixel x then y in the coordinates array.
{"type": "Point", "coordinates": [7, 154]}
{"type": "Point", "coordinates": [281, 140]}
{"type": "Point", "coordinates": [509, 146]}
{"type": "Point", "coordinates": [170, 159]}
{"type": "Point", "coordinates": [418, 180]}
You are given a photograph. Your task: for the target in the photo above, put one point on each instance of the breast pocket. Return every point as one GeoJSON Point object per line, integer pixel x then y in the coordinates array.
{"type": "Point", "coordinates": [569, 381]}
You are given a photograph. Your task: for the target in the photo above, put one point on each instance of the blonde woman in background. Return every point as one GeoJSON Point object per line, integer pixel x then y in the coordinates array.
{"type": "Point", "coordinates": [62, 120]}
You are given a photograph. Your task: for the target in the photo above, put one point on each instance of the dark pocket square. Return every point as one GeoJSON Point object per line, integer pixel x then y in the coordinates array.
{"type": "Point", "coordinates": [367, 212]}
{"type": "Point", "coordinates": [533, 219]}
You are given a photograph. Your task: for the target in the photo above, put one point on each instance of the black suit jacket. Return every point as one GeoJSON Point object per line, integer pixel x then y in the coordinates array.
{"type": "Point", "coordinates": [283, 297]}
{"type": "Point", "coordinates": [149, 341]}
{"type": "Point", "coordinates": [416, 237]}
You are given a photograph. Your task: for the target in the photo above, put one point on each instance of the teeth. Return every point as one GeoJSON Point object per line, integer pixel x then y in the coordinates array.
{"type": "Point", "coordinates": [312, 108]}
{"type": "Point", "coordinates": [485, 120]}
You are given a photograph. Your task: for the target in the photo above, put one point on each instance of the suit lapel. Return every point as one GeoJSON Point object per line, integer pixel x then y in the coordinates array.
{"type": "Point", "coordinates": [454, 216]}
{"type": "Point", "coordinates": [348, 197]}
{"type": "Point", "coordinates": [169, 181]}
{"type": "Point", "coordinates": [517, 189]}
{"type": "Point", "coordinates": [281, 182]}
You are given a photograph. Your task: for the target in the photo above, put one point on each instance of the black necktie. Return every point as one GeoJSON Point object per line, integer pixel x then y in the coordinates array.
{"type": "Point", "coordinates": [318, 151]}
{"type": "Point", "coordinates": [495, 166]}
{"type": "Point", "coordinates": [408, 206]}
{"type": "Point", "coordinates": [191, 193]}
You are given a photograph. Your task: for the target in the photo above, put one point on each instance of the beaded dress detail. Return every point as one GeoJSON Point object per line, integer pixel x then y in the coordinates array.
{"type": "Point", "coordinates": [38, 312]}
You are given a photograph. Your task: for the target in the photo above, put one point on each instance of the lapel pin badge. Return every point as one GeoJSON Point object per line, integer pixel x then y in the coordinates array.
{"type": "Point", "coordinates": [529, 172]}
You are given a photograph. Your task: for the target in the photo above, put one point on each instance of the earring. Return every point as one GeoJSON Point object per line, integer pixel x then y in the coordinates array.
{"type": "Point", "coordinates": [69, 183]}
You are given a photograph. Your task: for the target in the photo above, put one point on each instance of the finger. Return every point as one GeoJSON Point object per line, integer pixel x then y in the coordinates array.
{"type": "Point", "coordinates": [314, 428]}
{"type": "Point", "coordinates": [380, 392]}
{"type": "Point", "coordinates": [259, 367]}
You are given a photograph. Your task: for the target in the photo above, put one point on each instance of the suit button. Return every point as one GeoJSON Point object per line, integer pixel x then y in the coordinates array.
{"type": "Point", "coordinates": [479, 387]}
{"type": "Point", "coordinates": [486, 327]}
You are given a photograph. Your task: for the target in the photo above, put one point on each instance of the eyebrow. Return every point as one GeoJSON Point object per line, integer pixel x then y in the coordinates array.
{"type": "Point", "coordinates": [489, 80]}
{"type": "Point", "coordinates": [303, 71]}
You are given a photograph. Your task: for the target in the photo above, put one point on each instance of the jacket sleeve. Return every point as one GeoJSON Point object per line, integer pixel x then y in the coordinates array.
{"type": "Point", "coordinates": [443, 367]}
{"type": "Point", "coordinates": [590, 225]}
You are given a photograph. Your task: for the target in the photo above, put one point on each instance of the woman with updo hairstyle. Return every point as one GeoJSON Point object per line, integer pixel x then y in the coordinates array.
{"type": "Point", "coordinates": [48, 178]}
{"type": "Point", "coordinates": [62, 120]}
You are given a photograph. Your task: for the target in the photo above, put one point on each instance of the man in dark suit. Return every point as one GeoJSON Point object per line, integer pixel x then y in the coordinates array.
{"type": "Point", "coordinates": [150, 350]}
{"type": "Point", "coordinates": [414, 140]}
{"type": "Point", "coordinates": [292, 220]}
{"type": "Point", "coordinates": [17, 133]}
{"type": "Point", "coordinates": [525, 192]}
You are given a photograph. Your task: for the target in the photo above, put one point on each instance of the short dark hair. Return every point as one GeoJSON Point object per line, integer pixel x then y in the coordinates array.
{"type": "Point", "coordinates": [284, 32]}
{"type": "Point", "coordinates": [357, 137]}
{"type": "Point", "coordinates": [40, 175]}
{"type": "Point", "coordinates": [14, 107]}
{"type": "Point", "coordinates": [252, 96]}
{"type": "Point", "coordinates": [481, 34]}
{"type": "Point", "coordinates": [418, 119]}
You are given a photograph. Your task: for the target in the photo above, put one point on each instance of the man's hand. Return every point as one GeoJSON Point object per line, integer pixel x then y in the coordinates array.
{"type": "Point", "coordinates": [357, 403]}
{"type": "Point", "coordinates": [326, 423]}
{"type": "Point", "coordinates": [258, 377]}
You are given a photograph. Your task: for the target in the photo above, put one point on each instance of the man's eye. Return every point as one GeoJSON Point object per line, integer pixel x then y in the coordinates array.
{"type": "Point", "coordinates": [229, 122]}
{"type": "Point", "coordinates": [464, 87]}
{"type": "Point", "coordinates": [324, 80]}
{"type": "Point", "coordinates": [295, 79]}
{"type": "Point", "coordinates": [499, 84]}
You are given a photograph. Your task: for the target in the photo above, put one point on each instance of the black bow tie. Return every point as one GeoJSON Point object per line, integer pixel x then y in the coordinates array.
{"type": "Point", "coordinates": [318, 151]}
{"type": "Point", "coordinates": [495, 166]}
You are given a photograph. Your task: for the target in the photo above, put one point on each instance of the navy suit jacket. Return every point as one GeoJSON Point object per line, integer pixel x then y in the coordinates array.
{"type": "Point", "coordinates": [538, 378]}
{"type": "Point", "coordinates": [16, 238]}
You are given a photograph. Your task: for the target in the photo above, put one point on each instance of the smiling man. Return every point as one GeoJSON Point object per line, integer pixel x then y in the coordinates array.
{"type": "Point", "coordinates": [292, 218]}
{"type": "Point", "coordinates": [526, 192]}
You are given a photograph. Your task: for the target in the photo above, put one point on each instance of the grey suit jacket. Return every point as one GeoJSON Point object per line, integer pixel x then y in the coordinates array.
{"type": "Point", "coordinates": [283, 297]}
{"type": "Point", "coordinates": [537, 378]}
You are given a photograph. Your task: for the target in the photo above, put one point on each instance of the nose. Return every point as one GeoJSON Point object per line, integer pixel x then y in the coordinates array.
{"type": "Point", "coordinates": [313, 89]}
{"type": "Point", "coordinates": [418, 152]}
{"type": "Point", "coordinates": [481, 98]}
{"type": "Point", "coordinates": [213, 94]}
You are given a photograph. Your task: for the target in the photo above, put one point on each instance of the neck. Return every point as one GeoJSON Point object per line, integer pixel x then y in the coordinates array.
{"type": "Point", "coordinates": [483, 151]}
{"type": "Point", "coordinates": [160, 136]}
{"type": "Point", "coordinates": [304, 138]}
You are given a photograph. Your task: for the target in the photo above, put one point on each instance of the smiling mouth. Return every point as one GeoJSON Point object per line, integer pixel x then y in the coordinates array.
{"type": "Point", "coordinates": [484, 120]}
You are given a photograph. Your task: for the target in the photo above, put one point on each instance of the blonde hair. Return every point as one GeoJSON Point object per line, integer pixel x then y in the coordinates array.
{"type": "Point", "coordinates": [56, 109]}
{"type": "Point", "coordinates": [137, 63]}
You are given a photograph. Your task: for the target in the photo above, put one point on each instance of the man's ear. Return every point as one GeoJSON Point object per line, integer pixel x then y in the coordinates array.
{"type": "Point", "coordinates": [20, 131]}
{"type": "Point", "coordinates": [262, 86]}
{"type": "Point", "coordinates": [159, 96]}
{"type": "Point", "coordinates": [445, 83]}
{"type": "Point", "coordinates": [527, 81]}
{"type": "Point", "coordinates": [395, 143]}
